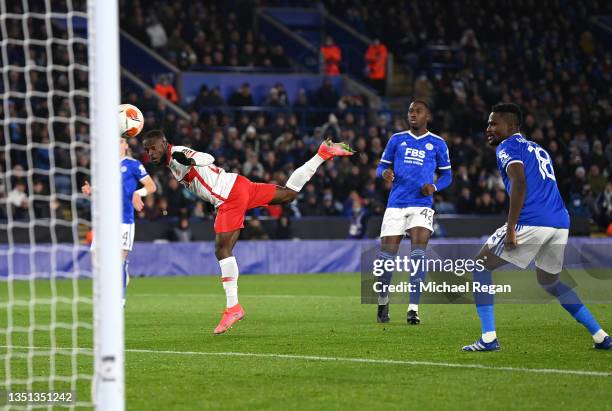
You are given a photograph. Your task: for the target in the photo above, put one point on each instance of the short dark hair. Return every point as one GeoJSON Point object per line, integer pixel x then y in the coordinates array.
{"type": "Point", "coordinates": [423, 102]}
{"type": "Point", "coordinates": [155, 135]}
{"type": "Point", "coordinates": [510, 109]}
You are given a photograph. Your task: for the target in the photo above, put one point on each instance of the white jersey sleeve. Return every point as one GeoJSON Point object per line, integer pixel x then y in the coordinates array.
{"type": "Point", "coordinates": [204, 179]}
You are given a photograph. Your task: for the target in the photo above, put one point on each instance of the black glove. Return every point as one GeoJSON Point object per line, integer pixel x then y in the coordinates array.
{"type": "Point", "coordinates": [182, 158]}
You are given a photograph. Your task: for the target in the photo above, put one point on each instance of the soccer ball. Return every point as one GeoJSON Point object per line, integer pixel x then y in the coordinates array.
{"type": "Point", "coordinates": [130, 120]}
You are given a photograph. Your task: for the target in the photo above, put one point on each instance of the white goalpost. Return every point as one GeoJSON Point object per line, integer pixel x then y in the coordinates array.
{"type": "Point", "coordinates": [61, 317]}
{"type": "Point", "coordinates": [104, 71]}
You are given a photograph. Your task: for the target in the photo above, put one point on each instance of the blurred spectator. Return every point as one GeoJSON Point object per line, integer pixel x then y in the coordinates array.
{"type": "Point", "coordinates": [253, 230]}
{"type": "Point", "coordinates": [182, 233]}
{"type": "Point", "coordinates": [327, 96]}
{"type": "Point", "coordinates": [465, 203]}
{"type": "Point", "coordinates": [199, 209]}
{"type": "Point", "coordinates": [150, 211]}
{"type": "Point", "coordinates": [147, 102]}
{"type": "Point", "coordinates": [18, 199]}
{"type": "Point", "coordinates": [283, 229]}
{"type": "Point", "coordinates": [157, 35]}
{"type": "Point", "coordinates": [596, 180]}
{"type": "Point", "coordinates": [310, 207]}
{"type": "Point", "coordinates": [41, 206]}
{"type": "Point", "coordinates": [166, 90]}
{"type": "Point", "coordinates": [241, 97]}
{"type": "Point", "coordinates": [273, 99]}
{"type": "Point", "coordinates": [376, 62]}
{"type": "Point", "coordinates": [278, 57]}
{"type": "Point", "coordinates": [485, 204]}
{"type": "Point", "coordinates": [358, 214]}
{"type": "Point", "coordinates": [602, 213]}
{"type": "Point", "coordinates": [469, 42]}
{"type": "Point", "coordinates": [423, 88]}
{"type": "Point", "coordinates": [332, 57]}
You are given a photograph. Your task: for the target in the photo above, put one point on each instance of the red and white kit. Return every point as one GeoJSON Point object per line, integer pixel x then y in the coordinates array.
{"type": "Point", "coordinates": [231, 194]}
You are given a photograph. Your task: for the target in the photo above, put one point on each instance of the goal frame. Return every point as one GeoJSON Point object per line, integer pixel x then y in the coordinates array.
{"type": "Point", "coordinates": [108, 386]}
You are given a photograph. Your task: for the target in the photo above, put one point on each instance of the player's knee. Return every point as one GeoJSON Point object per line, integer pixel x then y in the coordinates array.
{"type": "Point", "coordinates": [222, 251]}
{"type": "Point", "coordinates": [288, 195]}
{"type": "Point", "coordinates": [390, 248]}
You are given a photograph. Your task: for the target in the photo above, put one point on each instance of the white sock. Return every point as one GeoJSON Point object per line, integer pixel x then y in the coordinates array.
{"type": "Point", "coordinates": [413, 307]}
{"type": "Point", "coordinates": [489, 336]}
{"type": "Point", "coordinates": [229, 277]}
{"type": "Point", "coordinates": [301, 176]}
{"type": "Point", "coordinates": [599, 336]}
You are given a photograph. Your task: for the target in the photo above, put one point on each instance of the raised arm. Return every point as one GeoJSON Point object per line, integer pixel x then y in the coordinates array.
{"type": "Point", "coordinates": [189, 157]}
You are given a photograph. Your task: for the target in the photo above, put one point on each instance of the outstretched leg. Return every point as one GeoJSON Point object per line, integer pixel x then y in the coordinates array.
{"type": "Point", "coordinates": [224, 246]}
{"type": "Point", "coordinates": [570, 301]}
{"type": "Point", "coordinates": [303, 174]}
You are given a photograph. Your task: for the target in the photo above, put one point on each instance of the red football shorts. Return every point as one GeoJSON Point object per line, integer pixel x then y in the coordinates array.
{"type": "Point", "coordinates": [244, 195]}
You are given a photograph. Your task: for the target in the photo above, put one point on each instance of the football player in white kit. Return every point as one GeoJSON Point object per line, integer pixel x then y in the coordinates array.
{"type": "Point", "coordinates": [232, 195]}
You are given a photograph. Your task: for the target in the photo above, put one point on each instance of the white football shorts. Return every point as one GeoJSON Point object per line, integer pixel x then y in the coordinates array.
{"type": "Point", "coordinates": [127, 237]}
{"type": "Point", "coordinates": [544, 244]}
{"type": "Point", "coordinates": [397, 221]}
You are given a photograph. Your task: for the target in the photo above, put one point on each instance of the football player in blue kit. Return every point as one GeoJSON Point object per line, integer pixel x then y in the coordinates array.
{"type": "Point", "coordinates": [537, 227]}
{"type": "Point", "coordinates": [133, 173]}
{"type": "Point", "coordinates": [410, 162]}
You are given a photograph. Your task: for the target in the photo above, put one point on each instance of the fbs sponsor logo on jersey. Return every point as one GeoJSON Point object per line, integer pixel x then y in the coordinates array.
{"type": "Point", "coordinates": [414, 156]}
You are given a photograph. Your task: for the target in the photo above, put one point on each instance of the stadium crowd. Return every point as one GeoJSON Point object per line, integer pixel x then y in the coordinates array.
{"type": "Point", "coordinates": [200, 35]}
{"type": "Point", "coordinates": [551, 65]}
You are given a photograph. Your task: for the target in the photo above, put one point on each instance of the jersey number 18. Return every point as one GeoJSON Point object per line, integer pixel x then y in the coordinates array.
{"type": "Point", "coordinates": [546, 168]}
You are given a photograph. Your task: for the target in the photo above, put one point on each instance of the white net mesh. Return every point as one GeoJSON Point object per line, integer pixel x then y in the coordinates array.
{"type": "Point", "coordinates": [45, 274]}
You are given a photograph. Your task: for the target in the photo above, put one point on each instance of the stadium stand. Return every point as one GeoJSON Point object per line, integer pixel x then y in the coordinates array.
{"type": "Point", "coordinates": [202, 35]}
{"type": "Point", "coordinates": [534, 66]}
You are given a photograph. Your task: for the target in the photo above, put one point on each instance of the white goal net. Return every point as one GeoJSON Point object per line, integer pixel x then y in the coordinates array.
{"type": "Point", "coordinates": [53, 350]}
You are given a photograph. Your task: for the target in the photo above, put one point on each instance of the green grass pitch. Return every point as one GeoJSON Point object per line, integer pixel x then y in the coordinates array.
{"type": "Point", "coordinates": [307, 343]}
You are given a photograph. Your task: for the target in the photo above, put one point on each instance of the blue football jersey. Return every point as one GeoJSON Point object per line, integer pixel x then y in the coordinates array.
{"type": "Point", "coordinates": [132, 171]}
{"type": "Point", "coordinates": [414, 160]}
{"type": "Point", "coordinates": [543, 203]}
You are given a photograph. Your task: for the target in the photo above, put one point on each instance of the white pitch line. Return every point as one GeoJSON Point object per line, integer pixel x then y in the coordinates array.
{"type": "Point", "coordinates": [361, 361]}
{"type": "Point", "coordinates": [380, 361]}
{"type": "Point", "coordinates": [292, 296]}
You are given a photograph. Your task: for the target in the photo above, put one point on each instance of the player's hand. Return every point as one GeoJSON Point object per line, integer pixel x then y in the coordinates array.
{"type": "Point", "coordinates": [388, 175]}
{"type": "Point", "coordinates": [137, 202]}
{"type": "Point", "coordinates": [86, 189]}
{"type": "Point", "coordinates": [510, 243]}
{"type": "Point", "coordinates": [428, 189]}
{"type": "Point", "coordinates": [182, 158]}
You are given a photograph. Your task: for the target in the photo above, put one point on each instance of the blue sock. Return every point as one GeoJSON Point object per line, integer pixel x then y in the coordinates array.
{"type": "Point", "coordinates": [417, 259]}
{"type": "Point", "coordinates": [484, 301]}
{"type": "Point", "coordinates": [385, 278]}
{"type": "Point", "coordinates": [573, 305]}
{"type": "Point", "coordinates": [125, 275]}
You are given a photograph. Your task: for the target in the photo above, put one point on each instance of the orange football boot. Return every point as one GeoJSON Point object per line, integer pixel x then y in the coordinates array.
{"type": "Point", "coordinates": [329, 149]}
{"type": "Point", "coordinates": [230, 316]}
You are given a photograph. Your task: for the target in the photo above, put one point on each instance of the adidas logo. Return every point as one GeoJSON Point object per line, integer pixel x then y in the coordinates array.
{"type": "Point", "coordinates": [403, 144]}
